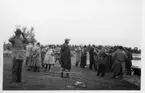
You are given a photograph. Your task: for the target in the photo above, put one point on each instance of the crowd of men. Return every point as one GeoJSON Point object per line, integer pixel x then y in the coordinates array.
{"type": "Point", "coordinates": [101, 59]}
{"type": "Point", "coordinates": [116, 60]}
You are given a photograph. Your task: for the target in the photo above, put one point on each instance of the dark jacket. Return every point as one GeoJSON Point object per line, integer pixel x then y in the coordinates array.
{"type": "Point", "coordinates": [65, 57]}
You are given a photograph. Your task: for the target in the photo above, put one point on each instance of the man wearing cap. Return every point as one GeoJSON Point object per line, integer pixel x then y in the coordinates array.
{"type": "Point", "coordinates": [18, 54]}
{"type": "Point", "coordinates": [65, 58]}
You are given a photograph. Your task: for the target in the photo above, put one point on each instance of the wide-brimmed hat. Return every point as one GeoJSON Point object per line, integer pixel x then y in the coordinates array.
{"type": "Point", "coordinates": [18, 31]}
{"type": "Point", "coordinates": [67, 39]}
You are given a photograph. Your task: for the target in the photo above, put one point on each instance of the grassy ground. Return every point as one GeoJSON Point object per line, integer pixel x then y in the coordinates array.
{"type": "Point", "coordinates": [52, 80]}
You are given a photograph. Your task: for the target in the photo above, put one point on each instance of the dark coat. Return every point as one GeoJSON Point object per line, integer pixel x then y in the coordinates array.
{"type": "Point", "coordinates": [117, 67]}
{"type": "Point", "coordinates": [91, 52]}
{"type": "Point", "coordinates": [101, 64]}
{"type": "Point", "coordinates": [128, 60]}
{"type": "Point", "coordinates": [83, 57]}
{"type": "Point", "coordinates": [65, 57]}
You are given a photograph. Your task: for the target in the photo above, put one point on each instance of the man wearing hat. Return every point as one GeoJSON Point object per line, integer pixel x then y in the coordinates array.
{"type": "Point", "coordinates": [18, 54]}
{"type": "Point", "coordinates": [119, 58]}
{"type": "Point", "coordinates": [65, 57]}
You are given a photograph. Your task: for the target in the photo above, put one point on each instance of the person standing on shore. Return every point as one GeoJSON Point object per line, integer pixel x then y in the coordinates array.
{"type": "Point", "coordinates": [65, 58]}
{"type": "Point", "coordinates": [18, 55]}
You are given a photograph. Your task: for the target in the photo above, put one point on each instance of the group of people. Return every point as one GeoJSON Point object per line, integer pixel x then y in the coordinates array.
{"type": "Point", "coordinates": [35, 57]}
{"type": "Point", "coordinates": [102, 60]}
{"type": "Point", "coordinates": [117, 60]}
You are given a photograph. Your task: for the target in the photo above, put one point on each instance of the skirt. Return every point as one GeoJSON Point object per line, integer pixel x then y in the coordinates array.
{"type": "Point", "coordinates": [36, 62]}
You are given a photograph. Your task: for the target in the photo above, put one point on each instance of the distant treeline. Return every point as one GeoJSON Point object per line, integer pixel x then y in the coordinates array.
{"type": "Point", "coordinates": [8, 46]}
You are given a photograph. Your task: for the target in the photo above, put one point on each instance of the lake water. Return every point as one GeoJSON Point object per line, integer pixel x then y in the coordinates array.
{"type": "Point", "coordinates": [136, 63]}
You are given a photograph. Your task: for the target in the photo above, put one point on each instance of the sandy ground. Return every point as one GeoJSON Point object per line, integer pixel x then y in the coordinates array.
{"type": "Point", "coordinates": [52, 80]}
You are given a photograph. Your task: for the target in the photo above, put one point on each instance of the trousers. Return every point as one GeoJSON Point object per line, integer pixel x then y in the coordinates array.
{"type": "Point", "coordinates": [17, 70]}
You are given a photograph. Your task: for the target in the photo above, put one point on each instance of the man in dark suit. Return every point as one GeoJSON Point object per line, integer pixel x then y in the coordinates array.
{"type": "Point", "coordinates": [65, 58]}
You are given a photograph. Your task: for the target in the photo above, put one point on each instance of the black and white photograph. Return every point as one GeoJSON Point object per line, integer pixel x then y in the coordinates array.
{"type": "Point", "coordinates": [71, 45]}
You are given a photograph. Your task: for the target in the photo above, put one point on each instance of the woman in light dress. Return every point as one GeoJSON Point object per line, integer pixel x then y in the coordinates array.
{"type": "Point", "coordinates": [36, 57]}
{"type": "Point", "coordinates": [49, 60]}
{"type": "Point", "coordinates": [29, 56]}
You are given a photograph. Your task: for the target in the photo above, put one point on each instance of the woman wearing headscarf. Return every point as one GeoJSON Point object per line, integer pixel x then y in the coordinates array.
{"type": "Point", "coordinates": [36, 62]}
{"type": "Point", "coordinates": [49, 59]}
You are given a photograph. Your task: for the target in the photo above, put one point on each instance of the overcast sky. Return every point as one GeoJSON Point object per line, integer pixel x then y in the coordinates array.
{"type": "Point", "coordinates": [113, 22]}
